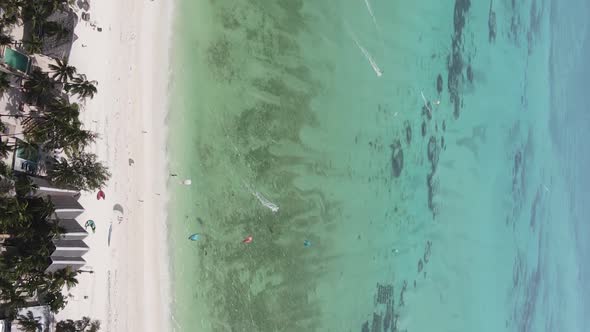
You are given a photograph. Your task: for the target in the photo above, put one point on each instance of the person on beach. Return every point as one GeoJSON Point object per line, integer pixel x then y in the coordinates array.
{"type": "Point", "coordinates": [248, 239]}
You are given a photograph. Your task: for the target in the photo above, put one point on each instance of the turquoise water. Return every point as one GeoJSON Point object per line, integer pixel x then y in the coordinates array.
{"type": "Point", "coordinates": [423, 149]}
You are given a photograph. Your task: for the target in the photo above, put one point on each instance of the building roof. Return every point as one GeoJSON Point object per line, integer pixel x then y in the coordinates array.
{"type": "Point", "coordinates": [45, 188]}
{"type": "Point", "coordinates": [71, 226]}
{"type": "Point", "coordinates": [69, 248]}
{"type": "Point", "coordinates": [60, 263]}
{"type": "Point", "coordinates": [71, 244]}
{"type": "Point", "coordinates": [60, 45]}
{"type": "Point", "coordinates": [65, 202]}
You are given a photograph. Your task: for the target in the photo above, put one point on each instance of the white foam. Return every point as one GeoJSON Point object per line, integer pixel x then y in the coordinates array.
{"type": "Point", "coordinates": [272, 206]}
{"type": "Point", "coordinates": [367, 55]}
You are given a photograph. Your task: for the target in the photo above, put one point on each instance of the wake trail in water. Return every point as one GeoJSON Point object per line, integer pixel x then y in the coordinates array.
{"type": "Point", "coordinates": [263, 200]}
{"type": "Point", "coordinates": [367, 55]}
{"type": "Point", "coordinates": [368, 4]}
{"type": "Point", "coordinates": [270, 205]}
{"type": "Point", "coordinates": [425, 102]}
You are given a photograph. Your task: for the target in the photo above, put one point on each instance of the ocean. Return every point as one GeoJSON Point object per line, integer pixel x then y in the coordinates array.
{"type": "Point", "coordinates": [391, 165]}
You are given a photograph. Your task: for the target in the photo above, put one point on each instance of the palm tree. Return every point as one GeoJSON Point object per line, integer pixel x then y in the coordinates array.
{"type": "Point", "coordinates": [28, 322]}
{"type": "Point", "coordinates": [33, 45]}
{"type": "Point", "coordinates": [82, 87]}
{"type": "Point", "coordinates": [64, 277]}
{"type": "Point", "coordinates": [14, 300]}
{"type": "Point", "coordinates": [56, 301]}
{"type": "Point", "coordinates": [58, 127]}
{"type": "Point", "coordinates": [38, 86]}
{"type": "Point", "coordinates": [83, 325]}
{"type": "Point", "coordinates": [81, 172]}
{"type": "Point", "coordinates": [6, 186]}
{"type": "Point", "coordinates": [5, 148]}
{"type": "Point", "coordinates": [12, 12]}
{"type": "Point", "coordinates": [12, 213]}
{"type": "Point", "coordinates": [24, 186]}
{"type": "Point", "coordinates": [54, 132]}
{"type": "Point", "coordinates": [62, 72]}
{"type": "Point", "coordinates": [5, 40]}
{"type": "Point", "coordinates": [4, 83]}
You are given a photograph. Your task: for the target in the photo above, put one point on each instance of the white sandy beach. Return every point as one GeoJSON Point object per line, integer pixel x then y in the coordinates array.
{"type": "Point", "coordinates": [129, 289]}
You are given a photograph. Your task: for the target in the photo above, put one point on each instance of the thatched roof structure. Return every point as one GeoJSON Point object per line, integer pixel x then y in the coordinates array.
{"type": "Point", "coordinates": [59, 45]}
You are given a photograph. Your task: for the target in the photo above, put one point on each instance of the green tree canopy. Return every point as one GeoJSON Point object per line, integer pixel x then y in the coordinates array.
{"type": "Point", "coordinates": [82, 87]}
{"type": "Point", "coordinates": [39, 88]}
{"type": "Point", "coordinates": [81, 172]}
{"type": "Point", "coordinates": [62, 71]}
{"type": "Point", "coordinates": [58, 127]}
{"type": "Point", "coordinates": [28, 322]}
{"type": "Point", "coordinates": [4, 83]}
{"type": "Point", "coordinates": [83, 325]}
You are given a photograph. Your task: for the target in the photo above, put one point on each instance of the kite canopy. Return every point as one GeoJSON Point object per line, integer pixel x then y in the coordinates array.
{"type": "Point", "coordinates": [194, 237]}
{"type": "Point", "coordinates": [100, 195]}
{"type": "Point", "coordinates": [90, 223]}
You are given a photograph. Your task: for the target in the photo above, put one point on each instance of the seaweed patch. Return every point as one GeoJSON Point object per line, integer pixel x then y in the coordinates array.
{"type": "Point", "coordinates": [397, 158]}
{"type": "Point", "coordinates": [408, 130]}
{"type": "Point", "coordinates": [491, 24]}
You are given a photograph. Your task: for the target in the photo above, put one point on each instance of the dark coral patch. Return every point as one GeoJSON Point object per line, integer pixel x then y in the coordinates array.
{"type": "Point", "coordinates": [397, 158]}
{"type": "Point", "coordinates": [491, 24]}
{"type": "Point", "coordinates": [427, 251]}
{"type": "Point", "coordinates": [469, 73]}
{"type": "Point", "coordinates": [433, 152]}
{"type": "Point", "coordinates": [408, 129]}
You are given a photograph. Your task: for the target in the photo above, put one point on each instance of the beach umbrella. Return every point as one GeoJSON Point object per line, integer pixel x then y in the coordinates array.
{"type": "Point", "coordinates": [194, 237]}
{"type": "Point", "coordinates": [248, 239]}
{"type": "Point", "coordinates": [307, 243]}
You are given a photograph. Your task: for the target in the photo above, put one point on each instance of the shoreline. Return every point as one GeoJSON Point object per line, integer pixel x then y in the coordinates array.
{"type": "Point", "coordinates": [130, 287]}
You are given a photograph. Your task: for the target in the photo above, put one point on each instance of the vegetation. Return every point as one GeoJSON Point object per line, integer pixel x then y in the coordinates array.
{"type": "Point", "coordinates": [58, 127]}
{"type": "Point", "coordinates": [28, 322]}
{"type": "Point", "coordinates": [82, 87]}
{"type": "Point", "coordinates": [22, 274]}
{"type": "Point", "coordinates": [5, 40]}
{"type": "Point", "coordinates": [53, 127]}
{"type": "Point", "coordinates": [4, 83]}
{"type": "Point", "coordinates": [38, 87]}
{"type": "Point", "coordinates": [81, 172]}
{"type": "Point", "coordinates": [83, 325]}
{"type": "Point", "coordinates": [62, 71]}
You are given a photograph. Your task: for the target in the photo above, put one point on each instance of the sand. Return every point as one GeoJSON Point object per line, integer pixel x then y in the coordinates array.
{"type": "Point", "coordinates": [129, 287]}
